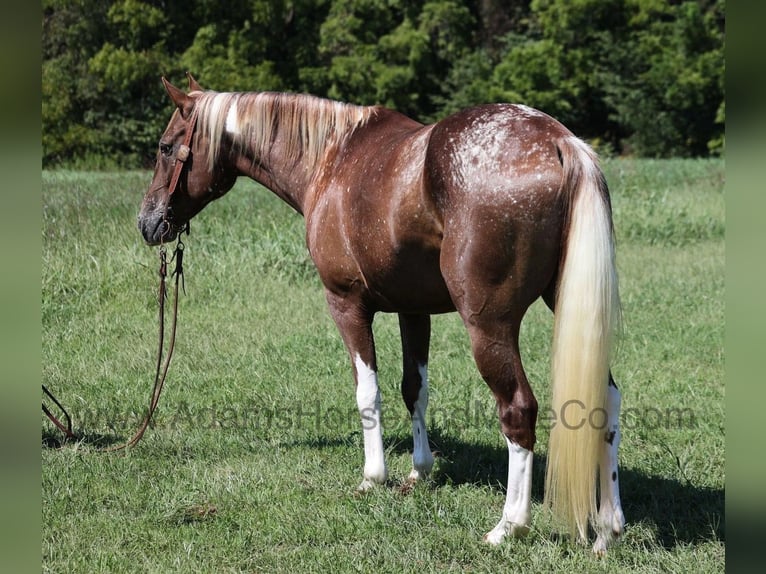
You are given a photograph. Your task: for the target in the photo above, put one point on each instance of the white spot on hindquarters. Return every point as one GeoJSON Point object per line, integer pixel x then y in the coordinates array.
{"type": "Point", "coordinates": [422, 458]}
{"type": "Point", "coordinates": [517, 512]}
{"type": "Point", "coordinates": [368, 402]}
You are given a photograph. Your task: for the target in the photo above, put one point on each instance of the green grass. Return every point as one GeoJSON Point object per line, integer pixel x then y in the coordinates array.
{"type": "Point", "coordinates": [255, 453]}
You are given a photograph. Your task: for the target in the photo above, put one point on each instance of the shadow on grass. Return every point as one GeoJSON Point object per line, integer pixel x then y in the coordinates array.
{"type": "Point", "coordinates": [55, 440]}
{"type": "Point", "coordinates": [680, 512]}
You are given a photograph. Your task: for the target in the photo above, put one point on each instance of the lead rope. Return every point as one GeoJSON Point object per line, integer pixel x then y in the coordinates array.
{"type": "Point", "coordinates": [182, 155]}
{"type": "Point", "coordinates": [162, 367]}
{"type": "Point", "coordinates": [67, 430]}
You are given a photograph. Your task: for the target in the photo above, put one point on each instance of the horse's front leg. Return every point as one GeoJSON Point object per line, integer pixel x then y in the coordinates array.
{"type": "Point", "coordinates": [355, 326]}
{"type": "Point", "coordinates": [416, 335]}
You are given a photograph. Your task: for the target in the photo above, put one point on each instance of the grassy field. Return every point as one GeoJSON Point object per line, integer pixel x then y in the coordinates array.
{"type": "Point", "coordinates": [256, 450]}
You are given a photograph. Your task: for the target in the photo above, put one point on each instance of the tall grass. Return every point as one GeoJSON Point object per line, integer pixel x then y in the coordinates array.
{"type": "Point", "coordinates": [255, 452]}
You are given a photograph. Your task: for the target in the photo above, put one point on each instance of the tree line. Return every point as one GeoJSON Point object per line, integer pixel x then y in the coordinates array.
{"type": "Point", "coordinates": [634, 77]}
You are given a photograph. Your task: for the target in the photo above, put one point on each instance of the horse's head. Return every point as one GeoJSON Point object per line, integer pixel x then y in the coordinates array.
{"type": "Point", "coordinates": [183, 183]}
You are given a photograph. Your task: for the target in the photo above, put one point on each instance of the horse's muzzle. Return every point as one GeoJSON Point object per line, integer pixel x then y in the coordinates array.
{"type": "Point", "coordinates": [156, 230]}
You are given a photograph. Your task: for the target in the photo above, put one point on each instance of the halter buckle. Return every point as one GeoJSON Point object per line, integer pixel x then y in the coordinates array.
{"type": "Point", "coordinates": [183, 152]}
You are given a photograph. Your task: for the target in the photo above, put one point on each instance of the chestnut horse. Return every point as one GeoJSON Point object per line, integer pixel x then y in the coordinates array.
{"type": "Point", "coordinates": [480, 213]}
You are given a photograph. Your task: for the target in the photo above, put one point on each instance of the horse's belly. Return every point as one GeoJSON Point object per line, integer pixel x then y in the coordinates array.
{"type": "Point", "coordinates": [386, 278]}
{"type": "Point", "coordinates": [409, 281]}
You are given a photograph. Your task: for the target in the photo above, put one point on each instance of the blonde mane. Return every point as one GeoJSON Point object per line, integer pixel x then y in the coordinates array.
{"type": "Point", "coordinates": [308, 125]}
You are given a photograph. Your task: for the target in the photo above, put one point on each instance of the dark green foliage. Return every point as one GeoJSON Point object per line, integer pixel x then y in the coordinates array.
{"type": "Point", "coordinates": [671, 98]}
{"type": "Point", "coordinates": [641, 77]}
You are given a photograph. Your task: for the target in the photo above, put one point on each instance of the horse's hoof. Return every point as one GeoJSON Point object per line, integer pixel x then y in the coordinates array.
{"type": "Point", "coordinates": [599, 547]}
{"type": "Point", "coordinates": [493, 538]}
{"type": "Point", "coordinates": [416, 476]}
{"type": "Point", "coordinates": [499, 532]}
{"type": "Point", "coordinates": [368, 484]}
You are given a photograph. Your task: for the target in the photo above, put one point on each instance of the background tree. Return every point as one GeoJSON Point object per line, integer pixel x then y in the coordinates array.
{"type": "Point", "coordinates": [669, 92]}
{"type": "Point", "coordinates": [634, 76]}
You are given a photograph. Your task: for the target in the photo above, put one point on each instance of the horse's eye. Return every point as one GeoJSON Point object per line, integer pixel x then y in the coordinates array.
{"type": "Point", "coordinates": [166, 149]}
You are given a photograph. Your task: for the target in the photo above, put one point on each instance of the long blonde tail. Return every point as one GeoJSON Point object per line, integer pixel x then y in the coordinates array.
{"type": "Point", "coordinates": [587, 317]}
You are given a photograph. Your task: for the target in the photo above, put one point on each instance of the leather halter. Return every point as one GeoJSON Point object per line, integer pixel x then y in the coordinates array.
{"type": "Point", "coordinates": [184, 151]}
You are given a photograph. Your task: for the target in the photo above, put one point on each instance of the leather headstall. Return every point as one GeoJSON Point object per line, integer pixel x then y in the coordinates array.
{"type": "Point", "coordinates": [184, 151]}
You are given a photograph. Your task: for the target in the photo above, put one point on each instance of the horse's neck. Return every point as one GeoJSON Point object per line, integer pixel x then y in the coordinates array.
{"type": "Point", "coordinates": [287, 179]}
{"type": "Point", "coordinates": [285, 138]}
{"type": "Point", "coordinates": [282, 139]}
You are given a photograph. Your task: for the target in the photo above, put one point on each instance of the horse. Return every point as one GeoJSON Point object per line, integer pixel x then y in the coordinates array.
{"type": "Point", "coordinates": [481, 213]}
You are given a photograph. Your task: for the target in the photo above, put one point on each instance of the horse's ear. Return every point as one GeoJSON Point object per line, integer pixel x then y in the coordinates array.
{"type": "Point", "coordinates": [193, 85]}
{"type": "Point", "coordinates": [182, 101]}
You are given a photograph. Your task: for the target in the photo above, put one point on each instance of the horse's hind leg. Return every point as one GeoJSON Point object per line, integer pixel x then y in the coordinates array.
{"type": "Point", "coordinates": [611, 521]}
{"type": "Point", "coordinates": [416, 333]}
{"type": "Point", "coordinates": [492, 314]}
{"type": "Point", "coordinates": [497, 357]}
{"type": "Point", "coordinates": [492, 289]}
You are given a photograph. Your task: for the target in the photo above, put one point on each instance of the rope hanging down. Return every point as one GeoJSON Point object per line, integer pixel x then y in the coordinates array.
{"type": "Point", "coordinates": [161, 367]}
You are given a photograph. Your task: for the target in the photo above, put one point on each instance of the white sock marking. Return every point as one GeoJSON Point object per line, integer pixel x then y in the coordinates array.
{"type": "Point", "coordinates": [422, 459]}
{"type": "Point", "coordinates": [611, 519]}
{"type": "Point", "coordinates": [517, 512]}
{"type": "Point", "coordinates": [368, 402]}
